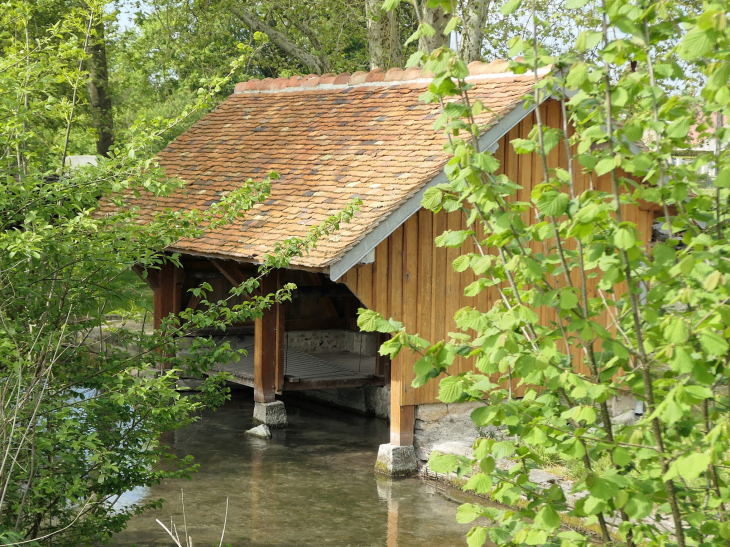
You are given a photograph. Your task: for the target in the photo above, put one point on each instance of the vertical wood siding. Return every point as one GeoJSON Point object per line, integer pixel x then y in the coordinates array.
{"type": "Point", "coordinates": [414, 282]}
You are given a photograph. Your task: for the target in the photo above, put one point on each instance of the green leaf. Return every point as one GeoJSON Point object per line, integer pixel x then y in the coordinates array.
{"type": "Point", "coordinates": [679, 128]}
{"type": "Point", "coordinates": [723, 178]}
{"type": "Point", "coordinates": [621, 456]}
{"type": "Point", "coordinates": [682, 361]}
{"type": "Point", "coordinates": [713, 343]}
{"type": "Point", "coordinates": [423, 365]}
{"type": "Point", "coordinates": [553, 203]}
{"type": "Point", "coordinates": [676, 331]}
{"type": "Point", "coordinates": [442, 463]}
{"type": "Point", "coordinates": [696, 43]}
{"type": "Point", "coordinates": [372, 321]}
{"type": "Point", "coordinates": [461, 263]}
{"type": "Point", "coordinates": [638, 506]}
{"type": "Point", "coordinates": [503, 449]}
{"type": "Point", "coordinates": [575, 4]}
{"type": "Point", "coordinates": [578, 73]}
{"type": "Point", "coordinates": [450, 389]}
{"type": "Point", "coordinates": [485, 162]}
{"type": "Point", "coordinates": [587, 40]}
{"type": "Point", "coordinates": [432, 198]}
{"type": "Point", "coordinates": [389, 5]}
{"type": "Point", "coordinates": [547, 518]}
{"type": "Point", "coordinates": [451, 25]}
{"type": "Point", "coordinates": [605, 165]}
{"type": "Point", "coordinates": [467, 513]}
{"type": "Point", "coordinates": [476, 537]}
{"type": "Point", "coordinates": [481, 483]}
{"type": "Point", "coordinates": [568, 299]}
{"type": "Point", "coordinates": [625, 238]}
{"type": "Point", "coordinates": [452, 238]}
{"type": "Point", "coordinates": [510, 7]}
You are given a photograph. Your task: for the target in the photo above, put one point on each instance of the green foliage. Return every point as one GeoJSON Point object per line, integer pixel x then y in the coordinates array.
{"type": "Point", "coordinates": [82, 405]}
{"type": "Point", "coordinates": [630, 319]}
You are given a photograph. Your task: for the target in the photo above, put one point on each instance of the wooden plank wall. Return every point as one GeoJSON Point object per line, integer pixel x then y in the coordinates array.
{"type": "Point", "coordinates": [413, 281]}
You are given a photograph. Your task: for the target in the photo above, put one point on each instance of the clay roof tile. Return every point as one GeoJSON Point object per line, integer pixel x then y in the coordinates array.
{"type": "Point", "coordinates": [331, 137]}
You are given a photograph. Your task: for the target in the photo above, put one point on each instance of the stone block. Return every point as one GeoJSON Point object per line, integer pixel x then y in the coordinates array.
{"type": "Point", "coordinates": [261, 431]}
{"type": "Point", "coordinates": [462, 411]}
{"type": "Point", "coordinates": [270, 414]}
{"type": "Point", "coordinates": [456, 448]}
{"type": "Point", "coordinates": [396, 461]}
{"type": "Point", "coordinates": [431, 412]}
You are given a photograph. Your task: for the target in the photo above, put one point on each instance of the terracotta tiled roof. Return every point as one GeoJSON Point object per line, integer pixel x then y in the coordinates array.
{"type": "Point", "coordinates": [331, 138]}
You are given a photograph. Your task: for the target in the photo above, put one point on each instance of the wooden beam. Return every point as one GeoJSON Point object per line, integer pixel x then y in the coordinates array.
{"type": "Point", "coordinates": [280, 339]}
{"type": "Point", "coordinates": [298, 385]}
{"type": "Point", "coordinates": [233, 274]}
{"type": "Point", "coordinates": [324, 293]}
{"type": "Point", "coordinates": [194, 302]}
{"type": "Point", "coordinates": [402, 421]}
{"type": "Point", "coordinates": [152, 278]}
{"type": "Point", "coordinates": [230, 271]}
{"type": "Point", "coordinates": [325, 303]}
{"type": "Point", "coordinates": [265, 347]}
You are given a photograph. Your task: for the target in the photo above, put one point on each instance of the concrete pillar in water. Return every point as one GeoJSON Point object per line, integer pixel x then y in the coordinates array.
{"type": "Point", "coordinates": [396, 461]}
{"type": "Point", "coordinates": [398, 458]}
{"type": "Point", "coordinates": [272, 414]}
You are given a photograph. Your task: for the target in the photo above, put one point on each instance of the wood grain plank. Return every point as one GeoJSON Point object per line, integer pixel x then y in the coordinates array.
{"type": "Point", "coordinates": [365, 285]}
{"type": "Point", "coordinates": [380, 279]}
{"type": "Point", "coordinates": [411, 288]}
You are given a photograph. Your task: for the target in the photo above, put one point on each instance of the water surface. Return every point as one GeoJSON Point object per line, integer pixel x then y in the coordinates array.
{"type": "Point", "coordinates": [312, 484]}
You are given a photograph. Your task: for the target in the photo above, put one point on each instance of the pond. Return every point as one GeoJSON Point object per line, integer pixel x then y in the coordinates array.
{"type": "Point", "coordinates": [312, 484]}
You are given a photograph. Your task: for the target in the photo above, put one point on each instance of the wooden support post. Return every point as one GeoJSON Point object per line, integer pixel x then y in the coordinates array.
{"type": "Point", "coordinates": [265, 347]}
{"type": "Point", "coordinates": [165, 300]}
{"type": "Point", "coordinates": [402, 421]}
{"type": "Point", "coordinates": [402, 418]}
{"type": "Point", "coordinates": [280, 339]}
{"type": "Point", "coordinates": [168, 294]}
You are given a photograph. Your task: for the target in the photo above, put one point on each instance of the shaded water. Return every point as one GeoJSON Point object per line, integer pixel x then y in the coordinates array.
{"type": "Point", "coordinates": [312, 484]}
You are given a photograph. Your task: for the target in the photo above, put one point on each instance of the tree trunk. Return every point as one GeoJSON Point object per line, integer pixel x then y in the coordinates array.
{"type": "Point", "coordinates": [396, 45]}
{"type": "Point", "coordinates": [475, 17]}
{"type": "Point", "coordinates": [438, 20]}
{"type": "Point", "coordinates": [317, 64]}
{"type": "Point", "coordinates": [98, 86]}
{"type": "Point", "coordinates": [384, 43]}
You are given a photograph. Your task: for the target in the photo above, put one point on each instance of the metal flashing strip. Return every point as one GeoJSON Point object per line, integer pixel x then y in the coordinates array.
{"type": "Point", "coordinates": [355, 255]}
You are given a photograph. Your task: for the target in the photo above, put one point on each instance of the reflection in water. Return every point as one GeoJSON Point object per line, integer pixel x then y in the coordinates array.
{"type": "Point", "coordinates": [312, 484]}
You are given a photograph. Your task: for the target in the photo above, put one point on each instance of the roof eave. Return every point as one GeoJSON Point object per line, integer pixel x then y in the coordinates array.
{"type": "Point", "coordinates": [243, 260]}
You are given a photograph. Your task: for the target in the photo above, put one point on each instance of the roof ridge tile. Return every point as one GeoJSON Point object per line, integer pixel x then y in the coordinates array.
{"type": "Point", "coordinates": [375, 76]}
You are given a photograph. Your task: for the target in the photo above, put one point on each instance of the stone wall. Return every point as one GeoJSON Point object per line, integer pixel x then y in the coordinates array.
{"type": "Point", "coordinates": [446, 428]}
{"type": "Point", "coordinates": [318, 341]}
{"type": "Point", "coordinates": [449, 429]}
{"type": "Point", "coordinates": [368, 400]}
{"type": "Point", "coordinates": [333, 341]}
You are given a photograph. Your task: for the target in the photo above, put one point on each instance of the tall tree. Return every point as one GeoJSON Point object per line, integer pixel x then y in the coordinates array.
{"type": "Point", "coordinates": [475, 17]}
{"type": "Point", "coordinates": [438, 20]}
{"type": "Point", "coordinates": [318, 64]}
{"type": "Point", "coordinates": [97, 84]}
{"type": "Point", "coordinates": [384, 41]}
